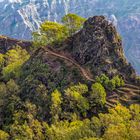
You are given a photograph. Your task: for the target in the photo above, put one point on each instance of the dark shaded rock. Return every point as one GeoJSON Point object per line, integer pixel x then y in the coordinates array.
{"type": "Point", "coordinates": [7, 43]}
{"type": "Point", "coordinates": [99, 47]}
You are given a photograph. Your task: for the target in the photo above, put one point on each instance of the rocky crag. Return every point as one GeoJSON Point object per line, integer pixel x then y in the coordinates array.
{"type": "Point", "coordinates": [98, 47]}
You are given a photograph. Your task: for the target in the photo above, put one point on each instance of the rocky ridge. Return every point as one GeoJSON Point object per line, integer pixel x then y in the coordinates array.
{"type": "Point", "coordinates": [98, 46]}
{"type": "Point", "coordinates": [7, 43]}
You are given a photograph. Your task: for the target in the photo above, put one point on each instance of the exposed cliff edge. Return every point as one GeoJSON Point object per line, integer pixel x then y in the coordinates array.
{"type": "Point", "coordinates": [98, 46]}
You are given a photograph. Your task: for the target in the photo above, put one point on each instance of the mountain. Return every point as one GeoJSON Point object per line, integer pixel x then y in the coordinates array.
{"type": "Point", "coordinates": [94, 50]}
{"type": "Point", "coordinates": [18, 18]}
{"type": "Point", "coordinates": [69, 90]}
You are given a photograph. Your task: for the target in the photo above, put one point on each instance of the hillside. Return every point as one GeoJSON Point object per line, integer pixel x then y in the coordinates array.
{"type": "Point", "coordinates": [93, 51]}
{"type": "Point", "coordinates": [80, 87]}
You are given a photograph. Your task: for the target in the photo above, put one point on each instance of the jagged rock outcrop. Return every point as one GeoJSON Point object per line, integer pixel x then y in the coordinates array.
{"type": "Point", "coordinates": [99, 47]}
{"type": "Point", "coordinates": [7, 43]}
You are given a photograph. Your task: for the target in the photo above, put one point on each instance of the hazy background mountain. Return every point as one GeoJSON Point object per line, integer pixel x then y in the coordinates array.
{"type": "Point", "coordinates": [18, 18]}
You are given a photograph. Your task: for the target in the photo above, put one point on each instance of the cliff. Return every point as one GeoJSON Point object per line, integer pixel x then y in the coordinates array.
{"type": "Point", "coordinates": [98, 47]}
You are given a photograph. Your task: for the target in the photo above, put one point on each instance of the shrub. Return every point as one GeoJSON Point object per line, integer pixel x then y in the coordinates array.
{"type": "Point", "coordinates": [110, 84]}
{"type": "Point", "coordinates": [73, 22]}
{"type": "Point", "coordinates": [98, 94]}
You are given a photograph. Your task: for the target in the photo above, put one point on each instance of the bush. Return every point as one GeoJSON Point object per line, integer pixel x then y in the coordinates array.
{"type": "Point", "coordinates": [73, 22]}
{"type": "Point", "coordinates": [98, 94]}
{"type": "Point", "coordinates": [110, 84]}
{"type": "Point", "coordinates": [49, 33]}
{"type": "Point", "coordinates": [14, 60]}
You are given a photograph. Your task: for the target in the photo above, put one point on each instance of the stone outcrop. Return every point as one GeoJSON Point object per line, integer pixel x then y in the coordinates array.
{"type": "Point", "coordinates": [99, 47]}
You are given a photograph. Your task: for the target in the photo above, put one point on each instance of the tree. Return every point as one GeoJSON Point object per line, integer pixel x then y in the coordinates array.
{"type": "Point", "coordinates": [39, 40]}
{"type": "Point", "coordinates": [103, 79]}
{"type": "Point", "coordinates": [110, 84]}
{"type": "Point", "coordinates": [81, 88]}
{"type": "Point", "coordinates": [118, 81]}
{"type": "Point", "coordinates": [73, 22]}
{"type": "Point", "coordinates": [4, 135]}
{"type": "Point", "coordinates": [50, 32]}
{"type": "Point", "coordinates": [116, 132]}
{"type": "Point", "coordinates": [98, 94]}
{"type": "Point", "coordinates": [15, 58]}
{"type": "Point", "coordinates": [21, 132]}
{"type": "Point", "coordinates": [76, 100]}
{"type": "Point", "coordinates": [11, 101]}
{"type": "Point", "coordinates": [56, 105]}
{"type": "Point", "coordinates": [1, 60]}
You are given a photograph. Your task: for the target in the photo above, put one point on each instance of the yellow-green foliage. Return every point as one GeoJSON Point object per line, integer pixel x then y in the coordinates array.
{"type": "Point", "coordinates": [75, 96]}
{"type": "Point", "coordinates": [14, 59]}
{"type": "Point", "coordinates": [70, 131]}
{"type": "Point", "coordinates": [110, 84]}
{"type": "Point", "coordinates": [56, 100]}
{"type": "Point", "coordinates": [98, 94]}
{"type": "Point", "coordinates": [50, 32]}
{"type": "Point", "coordinates": [4, 135]}
{"type": "Point", "coordinates": [121, 123]}
{"type": "Point", "coordinates": [53, 32]}
{"type": "Point", "coordinates": [80, 88]}
{"type": "Point", "coordinates": [73, 22]}
{"type": "Point", "coordinates": [1, 60]}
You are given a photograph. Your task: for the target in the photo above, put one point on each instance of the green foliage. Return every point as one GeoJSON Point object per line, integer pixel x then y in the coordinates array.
{"type": "Point", "coordinates": [49, 33]}
{"type": "Point", "coordinates": [70, 131]}
{"type": "Point", "coordinates": [73, 22]}
{"type": "Point", "coordinates": [118, 81]}
{"type": "Point", "coordinates": [76, 100]}
{"type": "Point", "coordinates": [80, 88]}
{"type": "Point", "coordinates": [1, 60]}
{"type": "Point", "coordinates": [4, 135]}
{"type": "Point", "coordinates": [119, 123]}
{"type": "Point", "coordinates": [54, 33]}
{"type": "Point", "coordinates": [21, 132]}
{"type": "Point", "coordinates": [14, 58]}
{"type": "Point", "coordinates": [10, 100]}
{"type": "Point", "coordinates": [39, 40]}
{"type": "Point", "coordinates": [110, 84]}
{"type": "Point", "coordinates": [39, 105]}
{"type": "Point", "coordinates": [56, 105]}
{"type": "Point", "coordinates": [98, 94]}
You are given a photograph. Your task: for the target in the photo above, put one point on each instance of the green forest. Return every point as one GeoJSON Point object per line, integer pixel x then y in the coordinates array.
{"type": "Point", "coordinates": [38, 104]}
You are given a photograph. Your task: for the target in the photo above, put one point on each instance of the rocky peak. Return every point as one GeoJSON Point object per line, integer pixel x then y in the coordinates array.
{"type": "Point", "coordinates": [99, 47]}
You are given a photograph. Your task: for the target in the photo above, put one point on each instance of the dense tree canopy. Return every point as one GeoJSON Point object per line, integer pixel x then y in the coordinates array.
{"type": "Point", "coordinates": [14, 59]}
{"type": "Point", "coordinates": [49, 33]}
{"type": "Point", "coordinates": [53, 32]}
{"type": "Point", "coordinates": [73, 22]}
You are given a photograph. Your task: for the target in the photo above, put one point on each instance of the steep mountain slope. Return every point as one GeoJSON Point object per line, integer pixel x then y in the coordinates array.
{"type": "Point", "coordinates": [18, 18]}
{"type": "Point", "coordinates": [98, 46]}
{"type": "Point", "coordinates": [94, 50]}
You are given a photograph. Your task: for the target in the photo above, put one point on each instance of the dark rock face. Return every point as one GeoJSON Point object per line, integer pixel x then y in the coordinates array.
{"type": "Point", "coordinates": [99, 47]}
{"type": "Point", "coordinates": [8, 43]}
